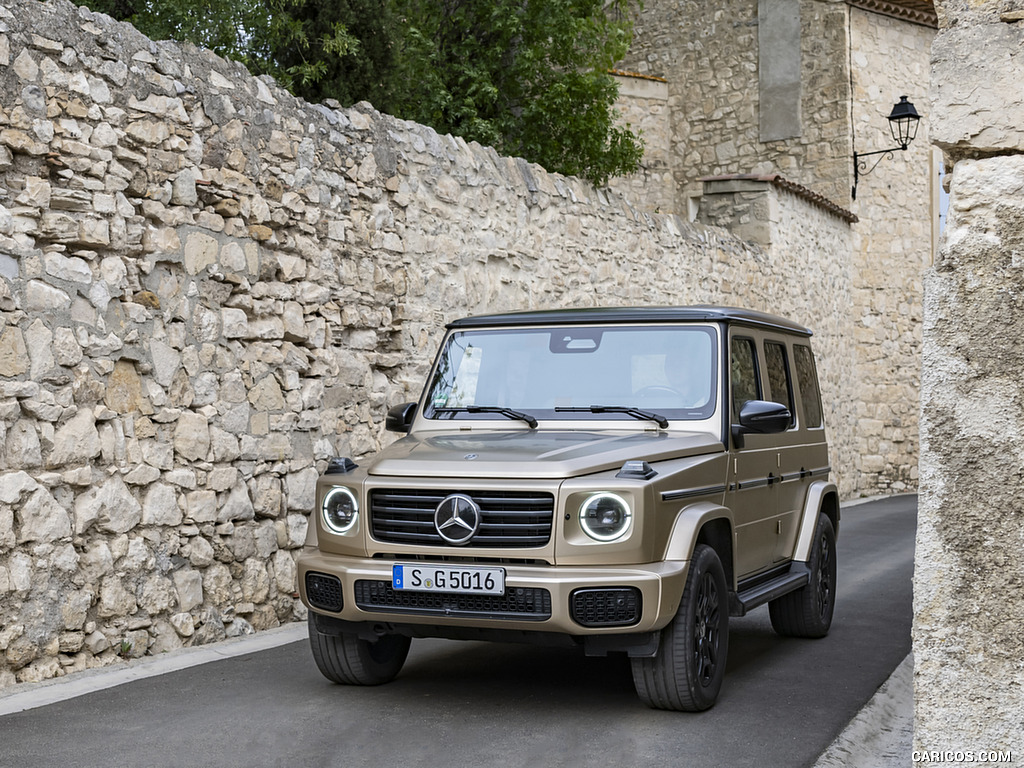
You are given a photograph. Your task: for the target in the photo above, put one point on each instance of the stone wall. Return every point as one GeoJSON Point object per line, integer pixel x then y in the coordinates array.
{"type": "Point", "coordinates": [892, 246]}
{"type": "Point", "coordinates": [968, 677]}
{"type": "Point", "coordinates": [209, 287]}
{"type": "Point", "coordinates": [778, 216]}
{"type": "Point", "coordinates": [643, 106]}
{"type": "Point", "coordinates": [708, 53]}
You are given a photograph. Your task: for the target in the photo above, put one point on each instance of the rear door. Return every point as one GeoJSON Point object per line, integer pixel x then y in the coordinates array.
{"type": "Point", "coordinates": [789, 473]}
{"type": "Point", "coordinates": [752, 495]}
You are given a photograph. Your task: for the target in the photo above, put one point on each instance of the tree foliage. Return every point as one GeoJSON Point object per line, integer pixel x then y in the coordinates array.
{"type": "Point", "coordinates": [254, 32]}
{"type": "Point", "coordinates": [528, 77]}
{"type": "Point", "coordinates": [365, 70]}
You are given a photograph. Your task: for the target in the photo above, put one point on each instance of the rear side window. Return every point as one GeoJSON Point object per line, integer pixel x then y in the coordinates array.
{"type": "Point", "coordinates": [744, 375]}
{"type": "Point", "coordinates": [807, 380]}
{"type": "Point", "coordinates": [780, 388]}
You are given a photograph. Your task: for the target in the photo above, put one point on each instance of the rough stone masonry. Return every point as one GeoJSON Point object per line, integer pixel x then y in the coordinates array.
{"type": "Point", "coordinates": [209, 287]}
{"type": "Point", "coordinates": [969, 578]}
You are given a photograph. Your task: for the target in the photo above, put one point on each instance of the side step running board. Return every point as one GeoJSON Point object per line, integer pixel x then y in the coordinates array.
{"type": "Point", "coordinates": [748, 599]}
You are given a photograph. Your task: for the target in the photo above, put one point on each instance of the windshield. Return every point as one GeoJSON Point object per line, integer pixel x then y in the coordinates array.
{"type": "Point", "coordinates": [549, 373]}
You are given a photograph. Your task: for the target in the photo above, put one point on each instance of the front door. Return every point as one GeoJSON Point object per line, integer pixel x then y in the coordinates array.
{"type": "Point", "coordinates": [753, 470]}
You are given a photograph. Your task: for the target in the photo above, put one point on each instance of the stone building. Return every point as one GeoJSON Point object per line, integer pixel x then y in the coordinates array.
{"type": "Point", "coordinates": [733, 96]}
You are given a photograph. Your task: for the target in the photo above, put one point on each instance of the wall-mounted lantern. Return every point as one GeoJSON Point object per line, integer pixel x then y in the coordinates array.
{"type": "Point", "coordinates": [903, 122]}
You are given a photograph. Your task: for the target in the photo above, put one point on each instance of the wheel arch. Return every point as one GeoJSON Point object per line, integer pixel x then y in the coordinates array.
{"type": "Point", "coordinates": [822, 499]}
{"type": "Point", "coordinates": [704, 523]}
{"type": "Point", "coordinates": [717, 534]}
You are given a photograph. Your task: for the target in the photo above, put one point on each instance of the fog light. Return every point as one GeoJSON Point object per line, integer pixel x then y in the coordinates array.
{"type": "Point", "coordinates": [606, 607]}
{"type": "Point", "coordinates": [605, 516]}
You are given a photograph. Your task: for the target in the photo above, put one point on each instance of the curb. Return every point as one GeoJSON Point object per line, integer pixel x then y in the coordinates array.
{"type": "Point", "coordinates": [24, 696]}
{"type": "Point", "coordinates": [882, 733]}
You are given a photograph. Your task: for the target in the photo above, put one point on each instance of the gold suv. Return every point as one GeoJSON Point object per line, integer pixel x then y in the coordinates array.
{"type": "Point", "coordinates": [620, 480]}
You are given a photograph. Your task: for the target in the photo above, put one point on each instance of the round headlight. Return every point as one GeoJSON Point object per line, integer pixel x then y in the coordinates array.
{"type": "Point", "coordinates": [605, 516]}
{"type": "Point", "coordinates": [339, 510]}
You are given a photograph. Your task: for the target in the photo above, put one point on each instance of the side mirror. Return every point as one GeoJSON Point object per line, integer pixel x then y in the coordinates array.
{"type": "Point", "coordinates": [400, 418]}
{"type": "Point", "coordinates": [763, 417]}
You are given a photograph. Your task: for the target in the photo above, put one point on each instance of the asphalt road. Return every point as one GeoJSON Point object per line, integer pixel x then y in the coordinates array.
{"type": "Point", "coordinates": [475, 704]}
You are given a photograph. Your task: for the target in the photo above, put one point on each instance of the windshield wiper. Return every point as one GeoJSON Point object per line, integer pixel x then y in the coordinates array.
{"type": "Point", "coordinates": [636, 413]}
{"type": "Point", "coordinates": [508, 413]}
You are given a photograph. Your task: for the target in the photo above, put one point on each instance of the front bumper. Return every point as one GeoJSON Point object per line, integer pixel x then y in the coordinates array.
{"type": "Point", "coordinates": [361, 588]}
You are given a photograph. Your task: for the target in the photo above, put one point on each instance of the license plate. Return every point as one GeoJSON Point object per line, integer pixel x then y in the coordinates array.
{"type": "Point", "coordinates": [444, 578]}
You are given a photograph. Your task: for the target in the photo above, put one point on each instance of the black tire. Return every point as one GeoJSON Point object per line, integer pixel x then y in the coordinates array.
{"type": "Point", "coordinates": [807, 612]}
{"type": "Point", "coordinates": [686, 674]}
{"type": "Point", "coordinates": [350, 660]}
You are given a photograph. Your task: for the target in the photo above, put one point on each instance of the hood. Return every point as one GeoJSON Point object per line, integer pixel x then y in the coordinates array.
{"type": "Point", "coordinates": [533, 454]}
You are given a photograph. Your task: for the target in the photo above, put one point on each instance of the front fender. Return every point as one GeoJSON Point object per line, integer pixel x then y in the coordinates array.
{"type": "Point", "coordinates": [688, 526]}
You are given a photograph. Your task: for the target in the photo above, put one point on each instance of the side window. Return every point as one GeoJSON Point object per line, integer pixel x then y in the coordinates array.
{"type": "Point", "coordinates": [807, 380]}
{"type": "Point", "coordinates": [780, 389]}
{"type": "Point", "coordinates": [744, 375]}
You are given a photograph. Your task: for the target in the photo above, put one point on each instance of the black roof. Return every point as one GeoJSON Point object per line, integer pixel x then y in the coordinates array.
{"type": "Point", "coordinates": [597, 315]}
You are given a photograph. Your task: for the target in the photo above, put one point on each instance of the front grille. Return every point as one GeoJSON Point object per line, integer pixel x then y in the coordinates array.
{"type": "Point", "coordinates": [520, 603]}
{"type": "Point", "coordinates": [615, 607]}
{"type": "Point", "coordinates": [324, 592]}
{"type": "Point", "coordinates": [507, 518]}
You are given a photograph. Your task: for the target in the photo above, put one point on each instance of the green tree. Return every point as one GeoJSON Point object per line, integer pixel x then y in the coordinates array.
{"type": "Point", "coordinates": [254, 32]}
{"type": "Point", "coordinates": [213, 24]}
{"type": "Point", "coordinates": [529, 77]}
{"type": "Point", "coordinates": [363, 72]}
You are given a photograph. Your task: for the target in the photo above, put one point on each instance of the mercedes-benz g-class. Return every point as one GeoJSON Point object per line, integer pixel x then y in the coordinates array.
{"type": "Point", "coordinates": [621, 480]}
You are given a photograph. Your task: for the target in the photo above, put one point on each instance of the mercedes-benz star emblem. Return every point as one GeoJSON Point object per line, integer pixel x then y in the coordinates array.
{"type": "Point", "coordinates": [457, 519]}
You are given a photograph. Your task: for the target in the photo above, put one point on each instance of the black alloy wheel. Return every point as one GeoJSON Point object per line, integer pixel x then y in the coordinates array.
{"type": "Point", "coordinates": [807, 612]}
{"type": "Point", "coordinates": [687, 671]}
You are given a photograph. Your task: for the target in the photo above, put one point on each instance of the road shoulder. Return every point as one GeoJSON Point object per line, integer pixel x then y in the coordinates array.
{"type": "Point", "coordinates": [33, 695]}
{"type": "Point", "coordinates": [882, 733]}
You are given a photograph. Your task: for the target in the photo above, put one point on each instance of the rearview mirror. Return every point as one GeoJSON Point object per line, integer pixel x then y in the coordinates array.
{"type": "Point", "coordinates": [400, 418]}
{"type": "Point", "coordinates": [763, 417]}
